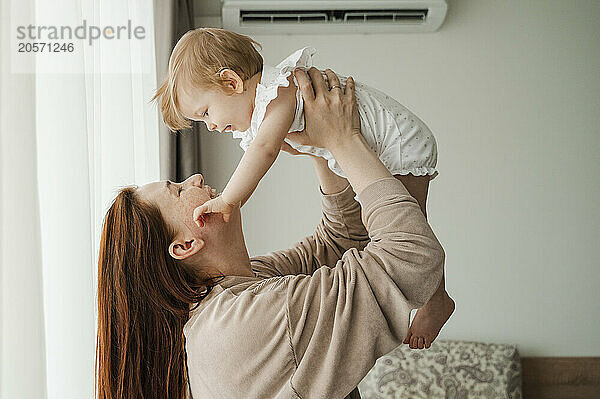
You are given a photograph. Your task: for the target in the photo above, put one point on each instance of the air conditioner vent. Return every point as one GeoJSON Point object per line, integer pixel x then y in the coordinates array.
{"type": "Point", "coordinates": [273, 17]}
{"type": "Point", "coordinates": [295, 17]}
{"type": "Point", "coordinates": [400, 16]}
{"type": "Point", "coordinates": [331, 16]}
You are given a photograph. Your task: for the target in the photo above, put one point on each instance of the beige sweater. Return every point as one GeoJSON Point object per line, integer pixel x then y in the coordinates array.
{"type": "Point", "coordinates": [316, 317]}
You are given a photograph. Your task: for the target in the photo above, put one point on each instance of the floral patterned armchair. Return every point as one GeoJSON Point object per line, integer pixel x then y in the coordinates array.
{"type": "Point", "coordinates": [448, 369]}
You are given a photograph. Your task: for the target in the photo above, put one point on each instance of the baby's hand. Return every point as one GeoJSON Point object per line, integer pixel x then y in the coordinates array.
{"type": "Point", "coordinates": [215, 205]}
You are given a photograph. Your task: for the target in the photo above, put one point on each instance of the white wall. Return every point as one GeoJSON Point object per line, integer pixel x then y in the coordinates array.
{"type": "Point", "coordinates": [511, 89]}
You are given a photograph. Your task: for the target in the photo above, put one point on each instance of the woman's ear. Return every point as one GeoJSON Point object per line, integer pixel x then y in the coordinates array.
{"type": "Point", "coordinates": [182, 249]}
{"type": "Point", "coordinates": [232, 80]}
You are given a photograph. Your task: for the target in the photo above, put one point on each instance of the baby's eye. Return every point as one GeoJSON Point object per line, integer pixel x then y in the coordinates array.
{"type": "Point", "coordinates": [179, 191]}
{"type": "Point", "coordinates": [201, 114]}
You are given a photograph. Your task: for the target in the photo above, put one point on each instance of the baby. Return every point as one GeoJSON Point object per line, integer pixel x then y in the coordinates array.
{"type": "Point", "coordinates": [218, 77]}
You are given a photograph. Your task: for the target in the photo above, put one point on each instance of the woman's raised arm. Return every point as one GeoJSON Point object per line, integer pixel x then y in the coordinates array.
{"type": "Point", "coordinates": [330, 182]}
{"type": "Point", "coordinates": [359, 309]}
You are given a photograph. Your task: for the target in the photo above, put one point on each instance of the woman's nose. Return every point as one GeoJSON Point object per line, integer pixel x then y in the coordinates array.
{"type": "Point", "coordinates": [197, 180]}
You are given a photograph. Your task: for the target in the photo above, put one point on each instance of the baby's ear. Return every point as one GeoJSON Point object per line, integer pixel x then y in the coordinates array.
{"type": "Point", "coordinates": [232, 80]}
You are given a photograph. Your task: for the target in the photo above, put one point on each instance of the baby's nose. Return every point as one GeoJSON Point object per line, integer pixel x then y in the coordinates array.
{"type": "Point", "coordinates": [212, 127]}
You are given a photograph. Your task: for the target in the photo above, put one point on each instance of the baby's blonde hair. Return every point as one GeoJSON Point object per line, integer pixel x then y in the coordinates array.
{"type": "Point", "coordinates": [197, 59]}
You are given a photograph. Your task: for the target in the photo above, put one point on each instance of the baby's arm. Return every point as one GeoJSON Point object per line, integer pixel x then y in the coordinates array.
{"type": "Point", "coordinates": [264, 149]}
{"type": "Point", "coordinates": [261, 154]}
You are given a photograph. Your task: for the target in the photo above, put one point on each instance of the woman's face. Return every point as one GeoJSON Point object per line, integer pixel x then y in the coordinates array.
{"type": "Point", "coordinates": [177, 201]}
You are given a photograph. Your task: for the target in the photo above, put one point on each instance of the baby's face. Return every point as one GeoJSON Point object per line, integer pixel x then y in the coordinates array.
{"type": "Point", "coordinates": [219, 111]}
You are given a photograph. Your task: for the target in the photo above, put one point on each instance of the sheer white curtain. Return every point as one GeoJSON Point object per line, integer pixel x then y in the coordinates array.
{"type": "Point", "coordinates": [96, 132]}
{"type": "Point", "coordinates": [22, 360]}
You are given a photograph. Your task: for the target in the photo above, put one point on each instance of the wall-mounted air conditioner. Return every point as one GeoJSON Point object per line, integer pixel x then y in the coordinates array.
{"type": "Point", "coordinates": [332, 16]}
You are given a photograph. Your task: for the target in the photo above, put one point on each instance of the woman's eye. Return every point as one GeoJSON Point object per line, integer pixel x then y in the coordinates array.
{"type": "Point", "coordinates": [205, 114]}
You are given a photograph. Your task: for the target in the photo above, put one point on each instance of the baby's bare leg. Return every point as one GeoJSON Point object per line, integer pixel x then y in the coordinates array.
{"type": "Point", "coordinates": [433, 315]}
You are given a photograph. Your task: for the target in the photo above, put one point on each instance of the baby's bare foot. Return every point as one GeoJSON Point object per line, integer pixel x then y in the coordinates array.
{"type": "Point", "coordinates": [429, 320]}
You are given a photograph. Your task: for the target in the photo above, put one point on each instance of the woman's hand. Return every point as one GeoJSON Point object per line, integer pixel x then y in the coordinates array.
{"type": "Point", "coordinates": [331, 114]}
{"type": "Point", "coordinates": [332, 122]}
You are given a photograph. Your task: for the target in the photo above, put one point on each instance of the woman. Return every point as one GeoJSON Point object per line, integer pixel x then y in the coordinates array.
{"type": "Point", "coordinates": [306, 322]}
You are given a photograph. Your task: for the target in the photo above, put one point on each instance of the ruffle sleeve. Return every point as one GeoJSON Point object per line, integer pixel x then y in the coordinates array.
{"type": "Point", "coordinates": [272, 78]}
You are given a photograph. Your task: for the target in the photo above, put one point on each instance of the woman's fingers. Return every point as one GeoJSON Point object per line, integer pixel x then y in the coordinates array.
{"type": "Point", "coordinates": [349, 97]}
{"type": "Point", "coordinates": [305, 85]}
{"type": "Point", "coordinates": [318, 82]}
{"type": "Point", "coordinates": [334, 81]}
{"type": "Point", "coordinates": [329, 115]}
{"type": "Point", "coordinates": [349, 89]}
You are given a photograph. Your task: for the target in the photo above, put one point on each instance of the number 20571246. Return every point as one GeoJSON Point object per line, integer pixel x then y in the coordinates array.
{"type": "Point", "coordinates": [43, 47]}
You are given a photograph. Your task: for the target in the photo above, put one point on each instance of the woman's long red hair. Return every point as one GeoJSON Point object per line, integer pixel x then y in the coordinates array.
{"type": "Point", "coordinates": [144, 299]}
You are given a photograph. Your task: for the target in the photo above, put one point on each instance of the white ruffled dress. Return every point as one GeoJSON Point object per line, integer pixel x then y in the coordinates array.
{"type": "Point", "coordinates": [399, 138]}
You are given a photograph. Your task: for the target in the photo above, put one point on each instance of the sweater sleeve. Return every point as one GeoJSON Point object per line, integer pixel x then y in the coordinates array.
{"type": "Point", "coordinates": [343, 318]}
{"type": "Point", "coordinates": [340, 229]}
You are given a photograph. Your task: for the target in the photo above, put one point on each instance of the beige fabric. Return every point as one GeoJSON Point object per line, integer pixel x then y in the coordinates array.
{"type": "Point", "coordinates": [316, 317]}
